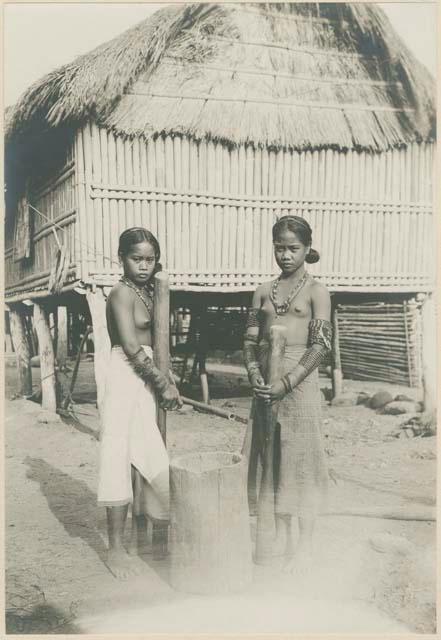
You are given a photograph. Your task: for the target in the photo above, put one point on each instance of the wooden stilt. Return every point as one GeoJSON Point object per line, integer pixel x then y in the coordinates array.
{"type": "Point", "coordinates": [202, 356]}
{"type": "Point", "coordinates": [68, 399]}
{"type": "Point", "coordinates": [97, 305]}
{"type": "Point", "coordinates": [429, 351]}
{"type": "Point", "coordinates": [9, 348]}
{"type": "Point", "coordinates": [337, 375]}
{"type": "Point", "coordinates": [161, 335]}
{"type": "Point", "coordinates": [62, 337]}
{"type": "Point", "coordinates": [161, 354]}
{"type": "Point", "coordinates": [21, 348]}
{"type": "Point", "coordinates": [47, 358]}
{"type": "Point", "coordinates": [265, 510]}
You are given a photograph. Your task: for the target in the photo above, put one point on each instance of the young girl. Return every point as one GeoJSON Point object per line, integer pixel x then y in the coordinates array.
{"type": "Point", "coordinates": [134, 465]}
{"type": "Point", "coordinates": [302, 305]}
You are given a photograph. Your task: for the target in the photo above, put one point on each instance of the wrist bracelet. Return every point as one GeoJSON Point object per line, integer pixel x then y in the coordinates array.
{"type": "Point", "coordinates": [287, 382]}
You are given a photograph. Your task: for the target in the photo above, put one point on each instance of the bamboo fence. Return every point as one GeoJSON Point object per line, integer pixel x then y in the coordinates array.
{"type": "Point", "coordinates": [381, 342]}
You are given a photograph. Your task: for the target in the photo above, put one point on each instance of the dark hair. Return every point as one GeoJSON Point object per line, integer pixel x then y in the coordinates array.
{"type": "Point", "coordinates": [301, 228]}
{"type": "Point", "coordinates": [135, 235]}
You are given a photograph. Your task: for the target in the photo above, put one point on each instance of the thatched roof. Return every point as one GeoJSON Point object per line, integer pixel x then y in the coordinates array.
{"type": "Point", "coordinates": [291, 75]}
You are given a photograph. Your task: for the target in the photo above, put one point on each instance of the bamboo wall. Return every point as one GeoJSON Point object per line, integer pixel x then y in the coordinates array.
{"type": "Point", "coordinates": [212, 209]}
{"type": "Point", "coordinates": [56, 199]}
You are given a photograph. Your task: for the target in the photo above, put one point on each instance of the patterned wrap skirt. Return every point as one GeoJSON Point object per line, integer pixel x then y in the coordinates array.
{"type": "Point", "coordinates": [300, 469]}
{"type": "Point", "coordinates": [130, 437]}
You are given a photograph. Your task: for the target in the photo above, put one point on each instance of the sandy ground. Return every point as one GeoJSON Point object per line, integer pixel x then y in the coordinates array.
{"type": "Point", "coordinates": [56, 536]}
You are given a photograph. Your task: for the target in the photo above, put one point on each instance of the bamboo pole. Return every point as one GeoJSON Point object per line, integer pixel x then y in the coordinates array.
{"type": "Point", "coordinates": [90, 240]}
{"type": "Point", "coordinates": [241, 226]}
{"type": "Point", "coordinates": [97, 305]}
{"type": "Point", "coordinates": [376, 241]}
{"type": "Point", "coordinates": [260, 241]}
{"type": "Point", "coordinates": [128, 173]}
{"type": "Point", "coordinates": [165, 240]}
{"type": "Point", "coordinates": [210, 227]}
{"type": "Point", "coordinates": [266, 215]}
{"type": "Point", "coordinates": [120, 169]}
{"type": "Point", "coordinates": [249, 258]}
{"type": "Point", "coordinates": [21, 348]}
{"type": "Point", "coordinates": [226, 211]}
{"type": "Point", "coordinates": [216, 411]}
{"type": "Point", "coordinates": [153, 182]}
{"type": "Point", "coordinates": [136, 171]}
{"type": "Point", "coordinates": [266, 514]}
{"type": "Point", "coordinates": [337, 375]}
{"type": "Point", "coordinates": [172, 223]}
{"type": "Point", "coordinates": [202, 262]}
{"type": "Point", "coordinates": [194, 215]}
{"type": "Point", "coordinates": [107, 241]}
{"type": "Point", "coordinates": [182, 178]}
{"type": "Point", "coordinates": [234, 220]}
{"type": "Point", "coordinates": [161, 336]}
{"type": "Point", "coordinates": [144, 180]}
{"type": "Point", "coordinates": [81, 222]}
{"type": "Point", "coordinates": [47, 359]}
{"type": "Point", "coordinates": [97, 205]}
{"type": "Point", "coordinates": [113, 203]}
{"type": "Point", "coordinates": [219, 213]}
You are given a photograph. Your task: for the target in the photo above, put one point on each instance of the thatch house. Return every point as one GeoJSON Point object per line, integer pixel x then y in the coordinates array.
{"type": "Point", "coordinates": [204, 123]}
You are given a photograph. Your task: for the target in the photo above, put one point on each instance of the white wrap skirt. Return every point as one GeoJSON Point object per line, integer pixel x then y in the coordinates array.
{"type": "Point", "coordinates": [130, 438]}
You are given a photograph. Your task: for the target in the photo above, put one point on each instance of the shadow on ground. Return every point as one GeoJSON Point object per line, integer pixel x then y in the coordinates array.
{"type": "Point", "coordinates": [42, 619]}
{"type": "Point", "coordinates": [70, 500]}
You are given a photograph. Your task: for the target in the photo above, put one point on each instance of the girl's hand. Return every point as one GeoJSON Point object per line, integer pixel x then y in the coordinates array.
{"type": "Point", "coordinates": [170, 398]}
{"type": "Point", "coordinates": [256, 380]}
{"type": "Point", "coordinates": [271, 393]}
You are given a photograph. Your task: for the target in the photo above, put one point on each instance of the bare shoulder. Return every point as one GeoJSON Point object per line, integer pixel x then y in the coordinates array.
{"type": "Point", "coordinates": [120, 295]}
{"type": "Point", "coordinates": [320, 300]}
{"type": "Point", "coordinates": [264, 288]}
{"type": "Point", "coordinates": [319, 291]}
{"type": "Point", "coordinates": [258, 296]}
{"type": "Point", "coordinates": [261, 293]}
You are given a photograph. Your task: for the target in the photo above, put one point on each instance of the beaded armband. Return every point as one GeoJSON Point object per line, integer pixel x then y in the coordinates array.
{"type": "Point", "coordinates": [253, 318]}
{"type": "Point", "coordinates": [320, 332]}
{"type": "Point", "coordinates": [143, 366]}
{"type": "Point", "coordinates": [312, 358]}
{"type": "Point", "coordinates": [250, 354]}
{"type": "Point", "coordinates": [320, 343]}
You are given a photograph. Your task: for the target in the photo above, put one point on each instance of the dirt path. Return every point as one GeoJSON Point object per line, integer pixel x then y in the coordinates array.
{"type": "Point", "coordinates": [55, 535]}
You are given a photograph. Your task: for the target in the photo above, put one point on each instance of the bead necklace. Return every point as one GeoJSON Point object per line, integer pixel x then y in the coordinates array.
{"type": "Point", "coordinates": [141, 292]}
{"type": "Point", "coordinates": [282, 307]}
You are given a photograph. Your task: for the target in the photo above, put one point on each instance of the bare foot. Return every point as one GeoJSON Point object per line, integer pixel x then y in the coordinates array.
{"type": "Point", "coordinates": [121, 565]}
{"type": "Point", "coordinates": [300, 562]}
{"type": "Point", "coordinates": [139, 544]}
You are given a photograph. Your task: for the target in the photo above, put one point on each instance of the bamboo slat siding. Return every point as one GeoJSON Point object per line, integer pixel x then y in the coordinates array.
{"type": "Point", "coordinates": [56, 200]}
{"type": "Point", "coordinates": [381, 342]}
{"type": "Point", "coordinates": [213, 208]}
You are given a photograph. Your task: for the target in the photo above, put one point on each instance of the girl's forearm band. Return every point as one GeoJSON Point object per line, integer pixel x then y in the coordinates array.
{"type": "Point", "coordinates": [143, 366]}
